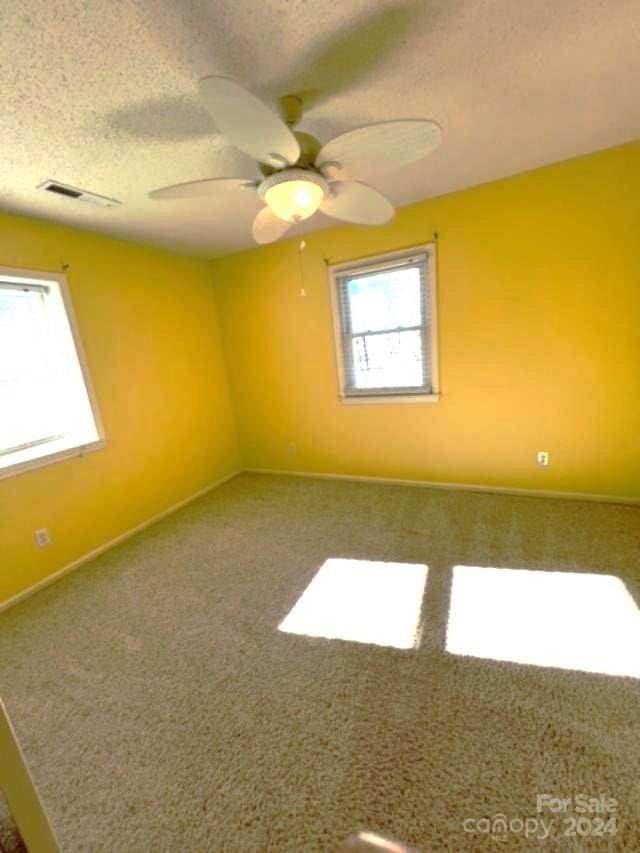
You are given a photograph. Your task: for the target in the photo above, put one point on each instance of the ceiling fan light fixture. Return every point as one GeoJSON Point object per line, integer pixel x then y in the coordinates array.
{"type": "Point", "coordinates": [294, 194]}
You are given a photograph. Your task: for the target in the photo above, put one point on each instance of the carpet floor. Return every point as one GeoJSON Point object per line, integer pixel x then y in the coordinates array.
{"type": "Point", "coordinates": [161, 709]}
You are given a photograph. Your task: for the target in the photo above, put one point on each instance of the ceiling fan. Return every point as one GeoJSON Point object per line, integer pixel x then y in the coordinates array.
{"type": "Point", "coordinates": [299, 175]}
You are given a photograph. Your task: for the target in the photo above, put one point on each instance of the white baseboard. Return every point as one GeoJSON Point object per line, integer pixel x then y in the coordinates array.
{"type": "Point", "coordinates": [16, 599]}
{"type": "Point", "coordinates": [392, 481]}
{"type": "Point", "coordinates": [466, 487]}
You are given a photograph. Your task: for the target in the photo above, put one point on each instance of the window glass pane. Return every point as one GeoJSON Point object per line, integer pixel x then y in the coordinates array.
{"type": "Point", "coordinates": [385, 300]}
{"type": "Point", "coordinates": [28, 408]}
{"type": "Point", "coordinates": [392, 360]}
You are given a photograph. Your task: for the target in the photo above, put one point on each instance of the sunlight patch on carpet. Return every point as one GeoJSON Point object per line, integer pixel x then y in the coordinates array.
{"type": "Point", "coordinates": [566, 620]}
{"type": "Point", "coordinates": [364, 601]}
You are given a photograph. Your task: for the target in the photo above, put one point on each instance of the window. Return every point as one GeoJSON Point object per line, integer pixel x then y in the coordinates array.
{"type": "Point", "coordinates": [47, 411]}
{"type": "Point", "coordinates": [384, 320]}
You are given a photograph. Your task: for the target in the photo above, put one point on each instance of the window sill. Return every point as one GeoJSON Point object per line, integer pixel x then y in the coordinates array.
{"type": "Point", "coordinates": [26, 460]}
{"type": "Point", "coordinates": [390, 399]}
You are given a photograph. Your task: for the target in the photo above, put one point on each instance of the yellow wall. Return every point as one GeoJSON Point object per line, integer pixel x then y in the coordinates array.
{"type": "Point", "coordinates": [539, 302]}
{"type": "Point", "coordinates": [149, 325]}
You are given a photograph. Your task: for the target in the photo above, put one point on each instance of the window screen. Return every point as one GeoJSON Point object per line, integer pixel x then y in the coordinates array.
{"type": "Point", "coordinates": [29, 411]}
{"type": "Point", "coordinates": [385, 327]}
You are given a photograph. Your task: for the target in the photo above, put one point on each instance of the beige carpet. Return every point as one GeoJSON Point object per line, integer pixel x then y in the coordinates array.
{"type": "Point", "coordinates": [161, 709]}
{"type": "Point", "coordinates": [10, 841]}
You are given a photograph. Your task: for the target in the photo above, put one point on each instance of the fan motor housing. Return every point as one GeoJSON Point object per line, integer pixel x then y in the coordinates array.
{"type": "Point", "coordinates": [309, 149]}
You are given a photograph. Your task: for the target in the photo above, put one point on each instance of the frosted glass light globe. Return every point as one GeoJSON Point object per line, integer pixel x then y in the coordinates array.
{"type": "Point", "coordinates": [293, 194]}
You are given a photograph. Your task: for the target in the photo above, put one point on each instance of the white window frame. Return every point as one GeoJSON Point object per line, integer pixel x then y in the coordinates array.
{"type": "Point", "coordinates": [377, 263]}
{"type": "Point", "coordinates": [42, 453]}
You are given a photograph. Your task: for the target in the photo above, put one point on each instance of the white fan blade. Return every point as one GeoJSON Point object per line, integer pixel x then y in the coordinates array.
{"type": "Point", "coordinates": [378, 148]}
{"type": "Point", "coordinates": [248, 124]}
{"type": "Point", "coordinates": [267, 227]}
{"type": "Point", "coordinates": [207, 187]}
{"type": "Point", "coordinates": [353, 201]}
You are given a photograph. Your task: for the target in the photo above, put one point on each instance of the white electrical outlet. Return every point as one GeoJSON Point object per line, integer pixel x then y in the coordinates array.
{"type": "Point", "coordinates": [542, 458]}
{"type": "Point", "coordinates": [42, 537]}
{"type": "Point", "coordinates": [292, 448]}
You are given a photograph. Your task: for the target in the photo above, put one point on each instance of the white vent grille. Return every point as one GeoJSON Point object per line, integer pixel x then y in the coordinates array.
{"type": "Point", "coordinates": [64, 190]}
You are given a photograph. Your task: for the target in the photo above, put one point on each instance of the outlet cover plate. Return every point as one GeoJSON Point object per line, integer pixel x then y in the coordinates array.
{"type": "Point", "coordinates": [42, 537]}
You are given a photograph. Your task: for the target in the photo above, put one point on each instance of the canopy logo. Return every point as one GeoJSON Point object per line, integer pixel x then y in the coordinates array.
{"type": "Point", "coordinates": [578, 815]}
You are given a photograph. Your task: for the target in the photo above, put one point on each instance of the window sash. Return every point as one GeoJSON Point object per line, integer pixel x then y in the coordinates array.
{"type": "Point", "coordinates": [29, 444]}
{"type": "Point", "coordinates": [419, 261]}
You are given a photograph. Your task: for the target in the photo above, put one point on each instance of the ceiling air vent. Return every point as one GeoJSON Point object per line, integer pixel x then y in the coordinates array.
{"type": "Point", "coordinates": [57, 188]}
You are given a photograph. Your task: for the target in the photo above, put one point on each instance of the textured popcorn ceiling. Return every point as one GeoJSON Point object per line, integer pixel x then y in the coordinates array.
{"type": "Point", "coordinates": [103, 96]}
